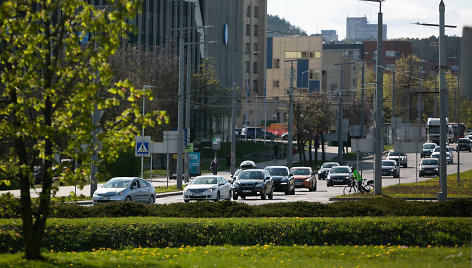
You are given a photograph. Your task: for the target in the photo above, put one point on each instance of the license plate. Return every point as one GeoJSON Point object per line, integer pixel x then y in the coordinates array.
{"type": "Point", "coordinates": [196, 195]}
{"type": "Point", "coordinates": [105, 198]}
{"type": "Point", "coordinates": [247, 191]}
{"type": "Point", "coordinates": [298, 183]}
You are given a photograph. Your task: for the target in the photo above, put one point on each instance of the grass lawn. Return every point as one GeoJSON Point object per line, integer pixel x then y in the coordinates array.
{"type": "Point", "coordinates": [429, 188]}
{"type": "Point", "coordinates": [164, 189]}
{"type": "Point", "coordinates": [254, 256]}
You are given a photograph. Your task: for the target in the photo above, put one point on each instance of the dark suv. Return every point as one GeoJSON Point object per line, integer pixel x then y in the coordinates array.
{"type": "Point", "coordinates": [283, 179]}
{"type": "Point", "coordinates": [256, 132]}
{"type": "Point", "coordinates": [464, 144]}
{"type": "Point", "coordinates": [253, 182]}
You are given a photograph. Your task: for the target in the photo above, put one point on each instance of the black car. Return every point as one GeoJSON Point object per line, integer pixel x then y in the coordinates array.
{"type": "Point", "coordinates": [390, 168]}
{"type": "Point", "coordinates": [283, 179]}
{"type": "Point", "coordinates": [340, 175]}
{"type": "Point", "coordinates": [464, 144]}
{"type": "Point", "coordinates": [325, 168]}
{"type": "Point", "coordinates": [428, 149]}
{"type": "Point", "coordinates": [253, 182]}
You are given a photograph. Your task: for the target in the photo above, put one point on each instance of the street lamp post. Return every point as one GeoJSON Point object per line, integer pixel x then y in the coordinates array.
{"type": "Point", "coordinates": [379, 105]}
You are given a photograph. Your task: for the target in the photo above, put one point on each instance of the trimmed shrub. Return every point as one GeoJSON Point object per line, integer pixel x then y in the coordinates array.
{"type": "Point", "coordinates": [132, 232]}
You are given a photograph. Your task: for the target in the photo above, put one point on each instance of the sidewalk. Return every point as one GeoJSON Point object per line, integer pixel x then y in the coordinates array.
{"type": "Point", "coordinates": [162, 181]}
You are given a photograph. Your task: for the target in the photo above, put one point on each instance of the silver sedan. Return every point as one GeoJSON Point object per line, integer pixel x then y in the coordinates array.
{"type": "Point", "coordinates": [125, 189]}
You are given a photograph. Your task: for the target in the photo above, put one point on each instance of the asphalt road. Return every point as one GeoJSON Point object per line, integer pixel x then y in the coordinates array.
{"type": "Point", "coordinates": [324, 193]}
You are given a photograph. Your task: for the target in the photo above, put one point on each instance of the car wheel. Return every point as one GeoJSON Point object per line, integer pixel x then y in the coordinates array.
{"type": "Point", "coordinates": [128, 198]}
{"type": "Point", "coordinates": [287, 191]}
{"type": "Point", "coordinates": [217, 197]}
{"type": "Point", "coordinates": [316, 186]}
{"type": "Point", "coordinates": [152, 200]}
{"type": "Point", "coordinates": [235, 197]}
{"type": "Point", "coordinates": [292, 192]}
{"type": "Point", "coordinates": [263, 195]}
{"type": "Point", "coordinates": [186, 201]}
{"type": "Point", "coordinates": [310, 189]}
{"type": "Point", "coordinates": [243, 197]}
{"type": "Point", "coordinates": [271, 194]}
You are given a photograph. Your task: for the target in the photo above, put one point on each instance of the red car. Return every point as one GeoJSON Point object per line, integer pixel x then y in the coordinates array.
{"type": "Point", "coordinates": [304, 178]}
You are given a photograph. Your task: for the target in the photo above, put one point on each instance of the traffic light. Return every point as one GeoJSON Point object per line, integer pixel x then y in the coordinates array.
{"type": "Point", "coordinates": [466, 63]}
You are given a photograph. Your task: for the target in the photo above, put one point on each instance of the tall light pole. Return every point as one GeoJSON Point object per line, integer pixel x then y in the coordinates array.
{"type": "Point", "coordinates": [379, 105]}
{"type": "Point", "coordinates": [142, 129]}
{"type": "Point", "coordinates": [442, 196]}
{"type": "Point", "coordinates": [290, 118]}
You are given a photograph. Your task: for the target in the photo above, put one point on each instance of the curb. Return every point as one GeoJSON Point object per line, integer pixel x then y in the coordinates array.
{"type": "Point", "coordinates": [406, 198]}
{"type": "Point", "coordinates": [90, 202]}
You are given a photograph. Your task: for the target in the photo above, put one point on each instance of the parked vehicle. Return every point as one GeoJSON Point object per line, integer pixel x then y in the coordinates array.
{"type": "Point", "coordinates": [253, 182]}
{"type": "Point", "coordinates": [282, 178]}
{"type": "Point", "coordinates": [401, 158]}
{"type": "Point", "coordinates": [464, 144]}
{"type": "Point", "coordinates": [325, 168]}
{"type": "Point", "coordinates": [256, 132]}
{"type": "Point", "coordinates": [429, 166]}
{"type": "Point", "coordinates": [428, 149]}
{"type": "Point", "coordinates": [208, 187]}
{"type": "Point", "coordinates": [339, 175]}
{"type": "Point", "coordinates": [304, 178]}
{"type": "Point", "coordinates": [437, 151]}
{"type": "Point", "coordinates": [390, 168]}
{"type": "Point", "coordinates": [125, 189]}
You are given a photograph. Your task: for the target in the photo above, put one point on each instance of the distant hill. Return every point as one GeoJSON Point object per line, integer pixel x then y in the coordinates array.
{"type": "Point", "coordinates": [279, 25]}
{"type": "Point", "coordinates": [427, 48]}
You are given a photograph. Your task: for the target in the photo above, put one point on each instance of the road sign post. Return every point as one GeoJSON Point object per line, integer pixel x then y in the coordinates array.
{"type": "Point", "coordinates": [143, 149]}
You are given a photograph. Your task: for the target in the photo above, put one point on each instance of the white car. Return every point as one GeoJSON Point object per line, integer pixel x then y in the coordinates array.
{"type": "Point", "coordinates": [437, 151]}
{"type": "Point", "coordinates": [401, 158]}
{"type": "Point", "coordinates": [208, 187]}
{"type": "Point", "coordinates": [125, 189]}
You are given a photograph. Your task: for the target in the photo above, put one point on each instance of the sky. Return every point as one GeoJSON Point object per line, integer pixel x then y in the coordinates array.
{"type": "Point", "coordinates": [316, 15]}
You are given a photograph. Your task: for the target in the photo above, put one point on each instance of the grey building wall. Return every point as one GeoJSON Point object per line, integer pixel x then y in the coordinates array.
{"type": "Point", "coordinates": [358, 29]}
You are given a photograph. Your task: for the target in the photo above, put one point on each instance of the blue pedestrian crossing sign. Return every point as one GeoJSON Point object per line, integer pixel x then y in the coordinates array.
{"type": "Point", "coordinates": [143, 146]}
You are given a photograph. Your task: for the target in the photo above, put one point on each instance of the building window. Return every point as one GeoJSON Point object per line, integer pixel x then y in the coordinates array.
{"type": "Point", "coordinates": [334, 86]}
{"type": "Point", "coordinates": [276, 63]}
{"type": "Point", "coordinates": [305, 55]}
{"type": "Point", "coordinates": [254, 67]}
{"type": "Point", "coordinates": [354, 68]}
{"type": "Point", "coordinates": [247, 67]}
{"type": "Point", "coordinates": [255, 86]}
{"type": "Point", "coordinates": [292, 55]}
{"type": "Point", "coordinates": [317, 55]}
{"type": "Point", "coordinates": [256, 12]}
{"type": "Point", "coordinates": [276, 83]}
{"type": "Point", "coordinates": [256, 28]}
{"type": "Point", "coordinates": [248, 29]}
{"type": "Point", "coordinates": [354, 82]}
{"type": "Point", "coordinates": [256, 48]}
{"type": "Point", "coordinates": [392, 54]}
{"type": "Point", "coordinates": [248, 47]}
{"type": "Point", "coordinates": [248, 11]}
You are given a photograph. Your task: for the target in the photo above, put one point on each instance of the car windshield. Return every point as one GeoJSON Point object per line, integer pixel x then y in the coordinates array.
{"type": "Point", "coordinates": [277, 171]}
{"type": "Point", "coordinates": [429, 146]}
{"type": "Point", "coordinates": [251, 175]}
{"type": "Point", "coordinates": [300, 171]}
{"type": "Point", "coordinates": [117, 183]}
{"type": "Point", "coordinates": [388, 163]}
{"type": "Point", "coordinates": [430, 162]}
{"type": "Point", "coordinates": [438, 149]}
{"type": "Point", "coordinates": [329, 165]}
{"type": "Point", "coordinates": [394, 154]}
{"type": "Point", "coordinates": [337, 170]}
{"type": "Point", "coordinates": [463, 141]}
{"type": "Point", "coordinates": [204, 180]}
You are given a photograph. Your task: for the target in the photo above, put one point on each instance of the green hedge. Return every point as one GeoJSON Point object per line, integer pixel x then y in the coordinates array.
{"type": "Point", "coordinates": [369, 207]}
{"type": "Point", "coordinates": [132, 232]}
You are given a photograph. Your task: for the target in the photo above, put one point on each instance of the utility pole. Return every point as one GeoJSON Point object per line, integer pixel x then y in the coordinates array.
{"type": "Point", "coordinates": [290, 119]}
{"type": "Point", "coordinates": [340, 128]}
{"type": "Point", "coordinates": [393, 107]}
{"type": "Point", "coordinates": [379, 108]}
{"type": "Point", "coordinates": [457, 130]}
{"type": "Point", "coordinates": [180, 116]}
{"type": "Point", "coordinates": [187, 110]}
{"type": "Point", "coordinates": [362, 102]}
{"type": "Point", "coordinates": [442, 196]}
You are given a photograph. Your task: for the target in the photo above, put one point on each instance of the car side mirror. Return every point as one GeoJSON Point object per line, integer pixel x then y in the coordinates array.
{"type": "Point", "coordinates": [290, 175]}
{"type": "Point", "coordinates": [267, 178]}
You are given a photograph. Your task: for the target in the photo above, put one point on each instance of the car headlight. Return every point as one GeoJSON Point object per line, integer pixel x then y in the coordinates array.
{"type": "Point", "coordinates": [436, 169]}
{"type": "Point", "coordinates": [260, 184]}
{"type": "Point", "coordinates": [212, 189]}
{"type": "Point", "coordinates": [120, 192]}
{"type": "Point", "coordinates": [307, 179]}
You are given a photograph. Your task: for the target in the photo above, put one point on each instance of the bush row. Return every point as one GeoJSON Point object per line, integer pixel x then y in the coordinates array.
{"type": "Point", "coordinates": [132, 232]}
{"type": "Point", "coordinates": [382, 206]}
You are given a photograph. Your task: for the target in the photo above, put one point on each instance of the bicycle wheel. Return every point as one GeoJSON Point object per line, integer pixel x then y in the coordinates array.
{"type": "Point", "coordinates": [349, 190]}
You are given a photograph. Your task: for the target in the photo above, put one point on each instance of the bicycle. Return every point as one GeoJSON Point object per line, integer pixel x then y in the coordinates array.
{"type": "Point", "coordinates": [351, 187]}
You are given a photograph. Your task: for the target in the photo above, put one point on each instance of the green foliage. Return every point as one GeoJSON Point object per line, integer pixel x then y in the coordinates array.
{"type": "Point", "coordinates": [126, 164]}
{"type": "Point", "coordinates": [134, 232]}
{"type": "Point", "coordinates": [367, 207]}
{"type": "Point", "coordinates": [303, 256]}
{"type": "Point", "coordinates": [280, 25]}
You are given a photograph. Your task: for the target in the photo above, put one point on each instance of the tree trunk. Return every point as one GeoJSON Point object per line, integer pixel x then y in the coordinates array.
{"type": "Point", "coordinates": [323, 155]}
{"type": "Point", "coordinates": [316, 148]}
{"type": "Point", "coordinates": [310, 156]}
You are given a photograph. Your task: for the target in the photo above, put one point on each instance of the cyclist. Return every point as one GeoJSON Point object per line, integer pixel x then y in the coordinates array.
{"type": "Point", "coordinates": [357, 177]}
